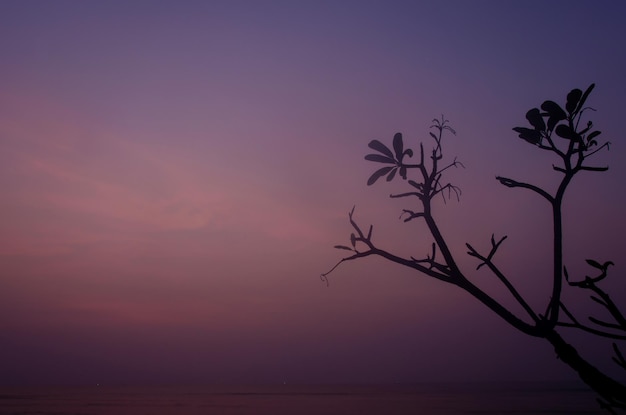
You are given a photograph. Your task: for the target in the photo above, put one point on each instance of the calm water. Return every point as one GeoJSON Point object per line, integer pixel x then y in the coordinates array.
{"type": "Point", "coordinates": [484, 398]}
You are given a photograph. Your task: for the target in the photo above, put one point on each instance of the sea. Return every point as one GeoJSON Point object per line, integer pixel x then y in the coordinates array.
{"type": "Point", "coordinates": [396, 399]}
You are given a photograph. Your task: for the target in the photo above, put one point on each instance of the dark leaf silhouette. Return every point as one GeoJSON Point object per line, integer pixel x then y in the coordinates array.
{"type": "Point", "coordinates": [403, 172]}
{"type": "Point", "coordinates": [593, 263]}
{"type": "Point", "coordinates": [532, 136]}
{"type": "Point", "coordinates": [398, 145]}
{"type": "Point", "coordinates": [572, 100]}
{"type": "Point", "coordinates": [343, 247]}
{"type": "Point", "coordinates": [408, 152]}
{"type": "Point", "coordinates": [380, 158]}
{"type": "Point", "coordinates": [555, 113]}
{"type": "Point", "coordinates": [380, 147]}
{"type": "Point", "coordinates": [597, 265]}
{"type": "Point", "coordinates": [554, 110]}
{"type": "Point", "coordinates": [378, 174]}
{"type": "Point", "coordinates": [593, 134]}
{"type": "Point", "coordinates": [565, 131]}
{"type": "Point", "coordinates": [391, 175]}
{"type": "Point", "coordinates": [535, 119]}
{"type": "Point", "coordinates": [353, 240]}
{"type": "Point", "coordinates": [584, 97]}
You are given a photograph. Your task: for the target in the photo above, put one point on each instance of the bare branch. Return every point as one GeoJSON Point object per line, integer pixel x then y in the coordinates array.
{"type": "Point", "coordinates": [589, 168]}
{"type": "Point", "coordinates": [324, 276]}
{"type": "Point", "coordinates": [451, 188]}
{"type": "Point", "coordinates": [619, 358]}
{"type": "Point", "coordinates": [601, 297]}
{"type": "Point", "coordinates": [577, 325]}
{"type": "Point", "coordinates": [597, 300]}
{"type": "Point", "coordinates": [454, 163]}
{"type": "Point", "coordinates": [605, 324]}
{"type": "Point", "coordinates": [607, 144]}
{"type": "Point", "coordinates": [568, 313]}
{"type": "Point", "coordinates": [592, 330]}
{"type": "Point", "coordinates": [513, 183]}
{"type": "Point", "coordinates": [399, 195]}
{"type": "Point", "coordinates": [412, 215]}
{"type": "Point", "coordinates": [496, 271]}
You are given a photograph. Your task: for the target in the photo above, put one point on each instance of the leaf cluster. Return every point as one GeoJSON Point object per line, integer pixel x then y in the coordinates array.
{"type": "Point", "coordinates": [563, 122]}
{"type": "Point", "coordinates": [387, 157]}
{"type": "Point", "coordinates": [429, 176]}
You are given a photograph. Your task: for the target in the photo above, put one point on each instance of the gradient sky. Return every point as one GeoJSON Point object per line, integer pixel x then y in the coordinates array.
{"type": "Point", "coordinates": [174, 176]}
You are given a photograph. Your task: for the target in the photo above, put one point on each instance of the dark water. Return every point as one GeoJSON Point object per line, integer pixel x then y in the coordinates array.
{"type": "Point", "coordinates": [427, 399]}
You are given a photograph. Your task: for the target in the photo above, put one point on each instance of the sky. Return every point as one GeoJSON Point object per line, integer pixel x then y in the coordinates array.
{"type": "Point", "coordinates": [175, 175]}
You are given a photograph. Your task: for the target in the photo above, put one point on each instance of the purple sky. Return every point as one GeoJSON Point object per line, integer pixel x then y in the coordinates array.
{"type": "Point", "coordinates": [174, 176]}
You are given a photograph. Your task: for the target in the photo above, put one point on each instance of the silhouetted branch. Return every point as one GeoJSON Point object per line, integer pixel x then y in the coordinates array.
{"type": "Point", "coordinates": [455, 163]}
{"type": "Point", "coordinates": [324, 276]}
{"type": "Point", "coordinates": [432, 263]}
{"type": "Point", "coordinates": [513, 183]}
{"type": "Point", "coordinates": [606, 324]}
{"type": "Point", "coordinates": [396, 196]}
{"type": "Point", "coordinates": [573, 147]}
{"type": "Point", "coordinates": [607, 145]}
{"type": "Point", "coordinates": [496, 271]}
{"type": "Point", "coordinates": [440, 271]}
{"type": "Point", "coordinates": [601, 297]}
{"type": "Point", "coordinates": [451, 188]}
{"type": "Point", "coordinates": [592, 331]}
{"type": "Point", "coordinates": [577, 325]}
{"type": "Point", "coordinates": [589, 168]}
{"type": "Point", "coordinates": [619, 357]}
{"type": "Point", "coordinates": [412, 215]}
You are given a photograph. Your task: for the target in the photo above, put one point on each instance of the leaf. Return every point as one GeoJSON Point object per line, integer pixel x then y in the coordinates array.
{"type": "Point", "coordinates": [380, 158]}
{"type": "Point", "coordinates": [565, 131]}
{"type": "Point", "coordinates": [594, 264]}
{"type": "Point", "coordinates": [380, 147]}
{"type": "Point", "coordinates": [403, 172]}
{"type": "Point", "coordinates": [433, 135]}
{"type": "Point", "coordinates": [592, 135]}
{"type": "Point", "coordinates": [343, 247]}
{"type": "Point", "coordinates": [572, 100]}
{"type": "Point", "coordinates": [353, 240]}
{"type": "Point", "coordinates": [378, 174]}
{"type": "Point", "coordinates": [584, 97]}
{"type": "Point", "coordinates": [555, 113]}
{"type": "Point", "coordinates": [552, 121]}
{"type": "Point", "coordinates": [532, 136]}
{"type": "Point", "coordinates": [535, 119]}
{"type": "Point", "coordinates": [606, 264]}
{"type": "Point", "coordinates": [398, 145]}
{"type": "Point", "coordinates": [408, 152]}
{"type": "Point", "coordinates": [554, 110]}
{"type": "Point", "coordinates": [391, 175]}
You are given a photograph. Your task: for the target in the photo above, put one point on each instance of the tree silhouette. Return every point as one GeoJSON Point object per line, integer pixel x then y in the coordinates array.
{"type": "Point", "coordinates": [574, 142]}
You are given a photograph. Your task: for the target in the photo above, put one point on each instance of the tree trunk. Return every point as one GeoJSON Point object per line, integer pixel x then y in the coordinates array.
{"type": "Point", "coordinates": [609, 389]}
